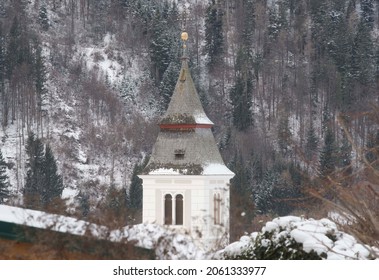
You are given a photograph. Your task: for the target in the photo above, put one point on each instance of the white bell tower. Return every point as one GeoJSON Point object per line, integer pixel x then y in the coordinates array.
{"type": "Point", "coordinates": [186, 183]}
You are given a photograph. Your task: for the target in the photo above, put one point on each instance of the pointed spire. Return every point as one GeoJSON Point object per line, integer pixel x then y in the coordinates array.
{"type": "Point", "coordinates": [185, 109]}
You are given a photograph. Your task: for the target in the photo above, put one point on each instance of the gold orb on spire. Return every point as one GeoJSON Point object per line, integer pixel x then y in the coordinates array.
{"type": "Point", "coordinates": [184, 36]}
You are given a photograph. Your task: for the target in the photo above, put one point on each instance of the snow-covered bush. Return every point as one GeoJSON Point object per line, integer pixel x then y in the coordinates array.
{"type": "Point", "coordinates": [293, 238]}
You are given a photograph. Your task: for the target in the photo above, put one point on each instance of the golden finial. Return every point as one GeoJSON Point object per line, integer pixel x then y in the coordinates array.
{"type": "Point", "coordinates": [184, 36]}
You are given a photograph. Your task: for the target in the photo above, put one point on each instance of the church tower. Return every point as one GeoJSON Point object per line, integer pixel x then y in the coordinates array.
{"type": "Point", "coordinates": [186, 183]}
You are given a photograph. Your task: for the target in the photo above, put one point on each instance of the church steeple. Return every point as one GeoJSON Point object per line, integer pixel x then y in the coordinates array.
{"type": "Point", "coordinates": [186, 183]}
{"type": "Point", "coordinates": [185, 143]}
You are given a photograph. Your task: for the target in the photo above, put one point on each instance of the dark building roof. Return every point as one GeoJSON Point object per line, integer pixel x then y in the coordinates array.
{"type": "Point", "coordinates": [185, 143]}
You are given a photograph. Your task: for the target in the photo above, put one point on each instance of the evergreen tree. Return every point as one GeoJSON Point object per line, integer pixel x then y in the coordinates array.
{"type": "Point", "coordinates": [328, 155]}
{"type": "Point", "coordinates": [33, 189]}
{"type": "Point", "coordinates": [116, 200]}
{"type": "Point", "coordinates": [241, 203]}
{"type": "Point", "coordinates": [168, 83]}
{"type": "Point", "coordinates": [43, 19]}
{"type": "Point", "coordinates": [372, 147]}
{"type": "Point", "coordinates": [4, 180]}
{"type": "Point", "coordinates": [164, 46]}
{"type": "Point", "coordinates": [84, 203]}
{"type": "Point", "coordinates": [43, 185]}
{"type": "Point", "coordinates": [344, 155]}
{"type": "Point", "coordinates": [134, 198]}
{"type": "Point", "coordinates": [362, 61]}
{"type": "Point", "coordinates": [40, 75]}
{"type": "Point", "coordinates": [214, 37]}
{"type": "Point", "coordinates": [368, 13]}
{"type": "Point", "coordinates": [284, 134]}
{"type": "Point", "coordinates": [263, 192]}
{"type": "Point", "coordinates": [311, 142]}
{"type": "Point", "coordinates": [241, 92]}
{"type": "Point", "coordinates": [279, 191]}
{"type": "Point", "coordinates": [3, 95]}
{"type": "Point", "coordinates": [53, 183]}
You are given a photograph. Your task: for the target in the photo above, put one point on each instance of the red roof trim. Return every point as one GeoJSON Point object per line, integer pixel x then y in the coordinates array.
{"type": "Point", "coordinates": [184, 126]}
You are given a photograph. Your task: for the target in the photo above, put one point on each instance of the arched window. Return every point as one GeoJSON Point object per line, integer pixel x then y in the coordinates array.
{"type": "Point", "coordinates": [179, 209]}
{"type": "Point", "coordinates": [168, 209]}
{"type": "Point", "coordinates": [217, 208]}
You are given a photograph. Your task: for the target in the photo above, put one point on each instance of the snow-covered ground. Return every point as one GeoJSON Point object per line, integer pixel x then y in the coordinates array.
{"type": "Point", "coordinates": [167, 243]}
{"type": "Point", "coordinates": [321, 236]}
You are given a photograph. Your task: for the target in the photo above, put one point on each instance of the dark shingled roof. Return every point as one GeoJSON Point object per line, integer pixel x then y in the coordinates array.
{"type": "Point", "coordinates": [185, 105]}
{"type": "Point", "coordinates": [185, 143]}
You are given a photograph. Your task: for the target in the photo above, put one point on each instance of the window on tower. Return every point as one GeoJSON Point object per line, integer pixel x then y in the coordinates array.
{"type": "Point", "coordinates": [179, 209]}
{"type": "Point", "coordinates": [168, 209]}
{"type": "Point", "coordinates": [217, 208]}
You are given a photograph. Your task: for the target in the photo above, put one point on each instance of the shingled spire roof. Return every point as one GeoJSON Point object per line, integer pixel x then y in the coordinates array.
{"type": "Point", "coordinates": [185, 105]}
{"type": "Point", "coordinates": [185, 143]}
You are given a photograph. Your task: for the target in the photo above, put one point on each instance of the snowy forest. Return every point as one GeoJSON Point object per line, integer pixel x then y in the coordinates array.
{"type": "Point", "coordinates": [292, 87]}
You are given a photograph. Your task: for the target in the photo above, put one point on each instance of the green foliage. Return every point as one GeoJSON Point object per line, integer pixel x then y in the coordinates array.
{"type": "Point", "coordinates": [284, 134]}
{"type": "Point", "coordinates": [368, 12]}
{"type": "Point", "coordinates": [214, 37]}
{"type": "Point", "coordinates": [268, 246]}
{"type": "Point", "coordinates": [311, 142]}
{"type": "Point", "coordinates": [344, 153]}
{"type": "Point", "coordinates": [242, 91]}
{"type": "Point", "coordinates": [168, 83]}
{"type": "Point", "coordinates": [43, 185]}
{"type": "Point", "coordinates": [4, 180]}
{"type": "Point", "coordinates": [43, 18]}
{"type": "Point", "coordinates": [84, 203]}
{"type": "Point", "coordinates": [115, 201]}
{"type": "Point", "coordinates": [372, 147]}
{"type": "Point", "coordinates": [241, 203]}
{"type": "Point", "coordinates": [362, 55]}
{"type": "Point", "coordinates": [53, 183]}
{"type": "Point", "coordinates": [40, 75]}
{"type": "Point", "coordinates": [134, 198]}
{"type": "Point", "coordinates": [327, 161]}
{"type": "Point", "coordinates": [164, 46]}
{"type": "Point", "coordinates": [279, 191]}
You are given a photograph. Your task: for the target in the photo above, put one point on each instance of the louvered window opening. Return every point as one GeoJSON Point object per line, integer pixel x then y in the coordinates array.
{"type": "Point", "coordinates": [169, 210]}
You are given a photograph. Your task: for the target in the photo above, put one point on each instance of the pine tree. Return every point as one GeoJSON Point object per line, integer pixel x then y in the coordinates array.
{"type": "Point", "coordinates": [43, 185]}
{"type": "Point", "coordinates": [168, 83]}
{"type": "Point", "coordinates": [3, 95]}
{"type": "Point", "coordinates": [284, 134]}
{"type": "Point", "coordinates": [328, 155]}
{"type": "Point", "coordinates": [164, 46]}
{"type": "Point", "coordinates": [84, 203]}
{"type": "Point", "coordinates": [116, 200]}
{"type": "Point", "coordinates": [40, 75]}
{"type": "Point", "coordinates": [242, 91]}
{"type": "Point", "coordinates": [4, 180]}
{"type": "Point", "coordinates": [263, 192]}
{"type": "Point", "coordinates": [311, 142]}
{"type": "Point", "coordinates": [214, 37]}
{"type": "Point", "coordinates": [135, 190]}
{"type": "Point", "coordinates": [134, 198]}
{"type": "Point", "coordinates": [241, 203]}
{"type": "Point", "coordinates": [362, 61]}
{"type": "Point", "coordinates": [43, 19]}
{"type": "Point", "coordinates": [33, 188]}
{"type": "Point", "coordinates": [368, 12]}
{"type": "Point", "coordinates": [53, 183]}
{"type": "Point", "coordinates": [372, 147]}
